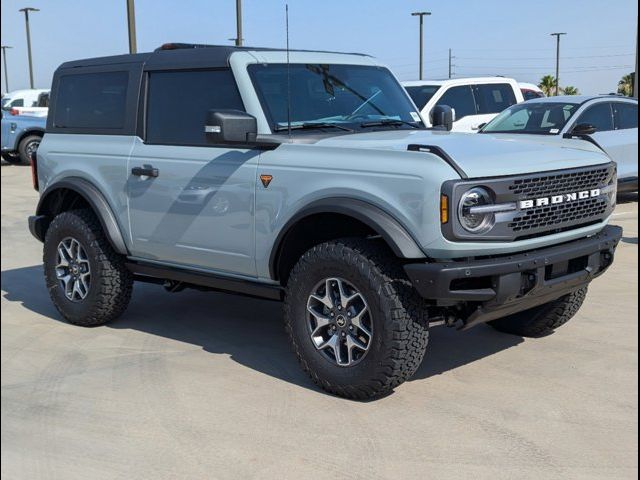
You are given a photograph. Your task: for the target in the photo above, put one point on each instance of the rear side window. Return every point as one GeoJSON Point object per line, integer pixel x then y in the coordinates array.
{"type": "Point", "coordinates": [461, 100]}
{"type": "Point", "coordinates": [600, 116]}
{"type": "Point", "coordinates": [92, 100]}
{"type": "Point", "coordinates": [626, 115]}
{"type": "Point", "coordinates": [494, 98]}
{"type": "Point", "coordinates": [422, 94]}
{"type": "Point", "coordinates": [178, 103]}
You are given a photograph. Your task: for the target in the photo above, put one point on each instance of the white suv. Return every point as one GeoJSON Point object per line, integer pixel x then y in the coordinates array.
{"type": "Point", "coordinates": [475, 101]}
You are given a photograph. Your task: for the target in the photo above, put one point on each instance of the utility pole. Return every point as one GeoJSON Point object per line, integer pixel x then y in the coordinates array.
{"type": "Point", "coordinates": [131, 23]}
{"type": "Point", "coordinates": [450, 64]}
{"type": "Point", "coordinates": [26, 11]}
{"type": "Point", "coordinates": [238, 38]}
{"type": "Point", "coordinates": [558, 35]}
{"type": "Point", "coordinates": [4, 59]}
{"type": "Point", "coordinates": [421, 15]}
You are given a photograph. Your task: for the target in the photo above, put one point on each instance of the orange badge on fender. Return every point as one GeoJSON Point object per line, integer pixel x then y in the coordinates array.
{"type": "Point", "coordinates": [266, 180]}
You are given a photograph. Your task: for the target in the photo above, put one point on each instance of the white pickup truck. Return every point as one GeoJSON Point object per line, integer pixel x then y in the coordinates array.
{"type": "Point", "coordinates": [475, 101]}
{"type": "Point", "coordinates": [33, 102]}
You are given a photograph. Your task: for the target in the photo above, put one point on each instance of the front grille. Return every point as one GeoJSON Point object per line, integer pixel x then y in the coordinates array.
{"type": "Point", "coordinates": [557, 215]}
{"type": "Point", "coordinates": [556, 198]}
{"type": "Point", "coordinates": [550, 219]}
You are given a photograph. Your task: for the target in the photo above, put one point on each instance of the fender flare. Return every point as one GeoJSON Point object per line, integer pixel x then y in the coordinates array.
{"type": "Point", "coordinates": [94, 197]}
{"type": "Point", "coordinates": [395, 235]}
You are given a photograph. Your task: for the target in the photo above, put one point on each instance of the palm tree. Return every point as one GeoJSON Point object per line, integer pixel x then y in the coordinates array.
{"type": "Point", "coordinates": [548, 85]}
{"type": "Point", "coordinates": [569, 90]}
{"type": "Point", "coordinates": [625, 85]}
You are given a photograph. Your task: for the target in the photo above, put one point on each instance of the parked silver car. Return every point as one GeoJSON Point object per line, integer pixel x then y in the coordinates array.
{"type": "Point", "coordinates": [609, 121]}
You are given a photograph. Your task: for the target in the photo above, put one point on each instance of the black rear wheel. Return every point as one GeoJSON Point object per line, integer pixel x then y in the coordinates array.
{"type": "Point", "coordinates": [87, 280]}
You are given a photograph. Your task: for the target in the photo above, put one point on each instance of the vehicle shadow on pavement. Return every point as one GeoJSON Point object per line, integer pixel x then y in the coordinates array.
{"type": "Point", "coordinates": [249, 331]}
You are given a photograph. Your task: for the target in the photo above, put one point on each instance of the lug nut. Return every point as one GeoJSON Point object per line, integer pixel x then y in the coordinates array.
{"type": "Point", "coordinates": [344, 334]}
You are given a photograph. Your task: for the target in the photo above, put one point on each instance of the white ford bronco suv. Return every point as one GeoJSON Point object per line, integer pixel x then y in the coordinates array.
{"type": "Point", "coordinates": [309, 177]}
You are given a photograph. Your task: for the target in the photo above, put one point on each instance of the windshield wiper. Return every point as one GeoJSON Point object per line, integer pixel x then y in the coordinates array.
{"type": "Point", "coordinates": [388, 122]}
{"type": "Point", "coordinates": [311, 125]}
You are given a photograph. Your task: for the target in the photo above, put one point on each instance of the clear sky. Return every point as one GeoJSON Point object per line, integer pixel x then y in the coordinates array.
{"type": "Point", "coordinates": [488, 37]}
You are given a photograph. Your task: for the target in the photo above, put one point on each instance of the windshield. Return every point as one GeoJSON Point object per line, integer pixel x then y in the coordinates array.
{"type": "Point", "coordinates": [532, 118]}
{"type": "Point", "coordinates": [422, 94]}
{"type": "Point", "coordinates": [351, 97]}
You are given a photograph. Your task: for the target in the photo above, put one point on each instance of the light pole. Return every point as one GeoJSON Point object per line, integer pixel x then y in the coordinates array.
{"type": "Point", "coordinates": [558, 35]}
{"type": "Point", "coordinates": [238, 38]}
{"type": "Point", "coordinates": [26, 11]}
{"type": "Point", "coordinates": [4, 59]}
{"type": "Point", "coordinates": [421, 15]}
{"type": "Point", "coordinates": [131, 24]}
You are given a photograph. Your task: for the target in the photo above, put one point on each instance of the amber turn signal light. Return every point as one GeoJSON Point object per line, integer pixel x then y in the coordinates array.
{"type": "Point", "coordinates": [444, 209]}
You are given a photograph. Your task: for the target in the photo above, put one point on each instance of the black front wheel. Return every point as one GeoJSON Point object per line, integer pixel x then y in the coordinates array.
{"type": "Point", "coordinates": [544, 319]}
{"type": "Point", "coordinates": [87, 280]}
{"type": "Point", "coordinates": [354, 320]}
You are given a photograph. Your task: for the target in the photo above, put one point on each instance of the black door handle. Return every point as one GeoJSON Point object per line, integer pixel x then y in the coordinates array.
{"type": "Point", "coordinates": [145, 171]}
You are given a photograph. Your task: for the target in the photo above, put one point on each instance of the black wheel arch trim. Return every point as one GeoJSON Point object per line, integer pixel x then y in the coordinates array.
{"type": "Point", "coordinates": [98, 203]}
{"type": "Point", "coordinates": [391, 230]}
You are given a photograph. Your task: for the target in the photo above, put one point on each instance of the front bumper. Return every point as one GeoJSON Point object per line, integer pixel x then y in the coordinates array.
{"type": "Point", "coordinates": [497, 287]}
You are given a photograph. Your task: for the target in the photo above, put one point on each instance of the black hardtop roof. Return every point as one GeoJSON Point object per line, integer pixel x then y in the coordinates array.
{"type": "Point", "coordinates": [179, 55]}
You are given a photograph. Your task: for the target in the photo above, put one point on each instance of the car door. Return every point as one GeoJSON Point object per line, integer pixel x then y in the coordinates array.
{"type": "Point", "coordinates": [461, 99]}
{"type": "Point", "coordinates": [626, 143]}
{"type": "Point", "coordinates": [191, 203]}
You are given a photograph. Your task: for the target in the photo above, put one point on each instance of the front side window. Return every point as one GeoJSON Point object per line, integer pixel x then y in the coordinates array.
{"type": "Point", "coordinates": [600, 116]}
{"type": "Point", "coordinates": [626, 115]}
{"type": "Point", "coordinates": [461, 100]}
{"type": "Point", "coordinates": [422, 94]}
{"type": "Point", "coordinates": [92, 100]}
{"type": "Point", "coordinates": [178, 102]}
{"type": "Point", "coordinates": [349, 97]}
{"type": "Point", "coordinates": [494, 98]}
{"type": "Point", "coordinates": [542, 118]}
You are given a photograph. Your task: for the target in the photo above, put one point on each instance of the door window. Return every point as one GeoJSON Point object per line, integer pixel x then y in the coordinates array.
{"type": "Point", "coordinates": [178, 103]}
{"type": "Point", "coordinates": [600, 116]}
{"type": "Point", "coordinates": [461, 100]}
{"type": "Point", "coordinates": [494, 98]}
{"type": "Point", "coordinates": [626, 115]}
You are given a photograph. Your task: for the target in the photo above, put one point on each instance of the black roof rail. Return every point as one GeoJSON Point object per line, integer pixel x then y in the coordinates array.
{"type": "Point", "coordinates": [179, 46]}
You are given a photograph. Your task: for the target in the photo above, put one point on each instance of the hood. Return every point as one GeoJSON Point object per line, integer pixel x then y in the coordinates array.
{"type": "Point", "coordinates": [484, 155]}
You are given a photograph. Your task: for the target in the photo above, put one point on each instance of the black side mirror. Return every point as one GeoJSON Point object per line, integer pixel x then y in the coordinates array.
{"type": "Point", "coordinates": [442, 117]}
{"type": "Point", "coordinates": [230, 126]}
{"type": "Point", "coordinates": [583, 129]}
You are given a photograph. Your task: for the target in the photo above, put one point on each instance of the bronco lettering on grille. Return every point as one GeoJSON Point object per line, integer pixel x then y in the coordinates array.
{"type": "Point", "coordinates": [558, 199]}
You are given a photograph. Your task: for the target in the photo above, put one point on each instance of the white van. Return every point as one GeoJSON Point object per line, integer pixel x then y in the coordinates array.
{"type": "Point", "coordinates": [475, 101]}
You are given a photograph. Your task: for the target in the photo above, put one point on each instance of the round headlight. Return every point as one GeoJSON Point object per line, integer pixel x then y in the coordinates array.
{"type": "Point", "coordinates": [474, 221]}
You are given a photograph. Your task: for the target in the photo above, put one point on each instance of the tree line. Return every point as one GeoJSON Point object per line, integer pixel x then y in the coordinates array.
{"type": "Point", "coordinates": [548, 86]}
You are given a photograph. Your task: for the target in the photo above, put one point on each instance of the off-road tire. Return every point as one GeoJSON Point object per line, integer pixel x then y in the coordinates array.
{"type": "Point", "coordinates": [111, 283]}
{"type": "Point", "coordinates": [23, 148]}
{"type": "Point", "coordinates": [398, 315]}
{"type": "Point", "coordinates": [544, 319]}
